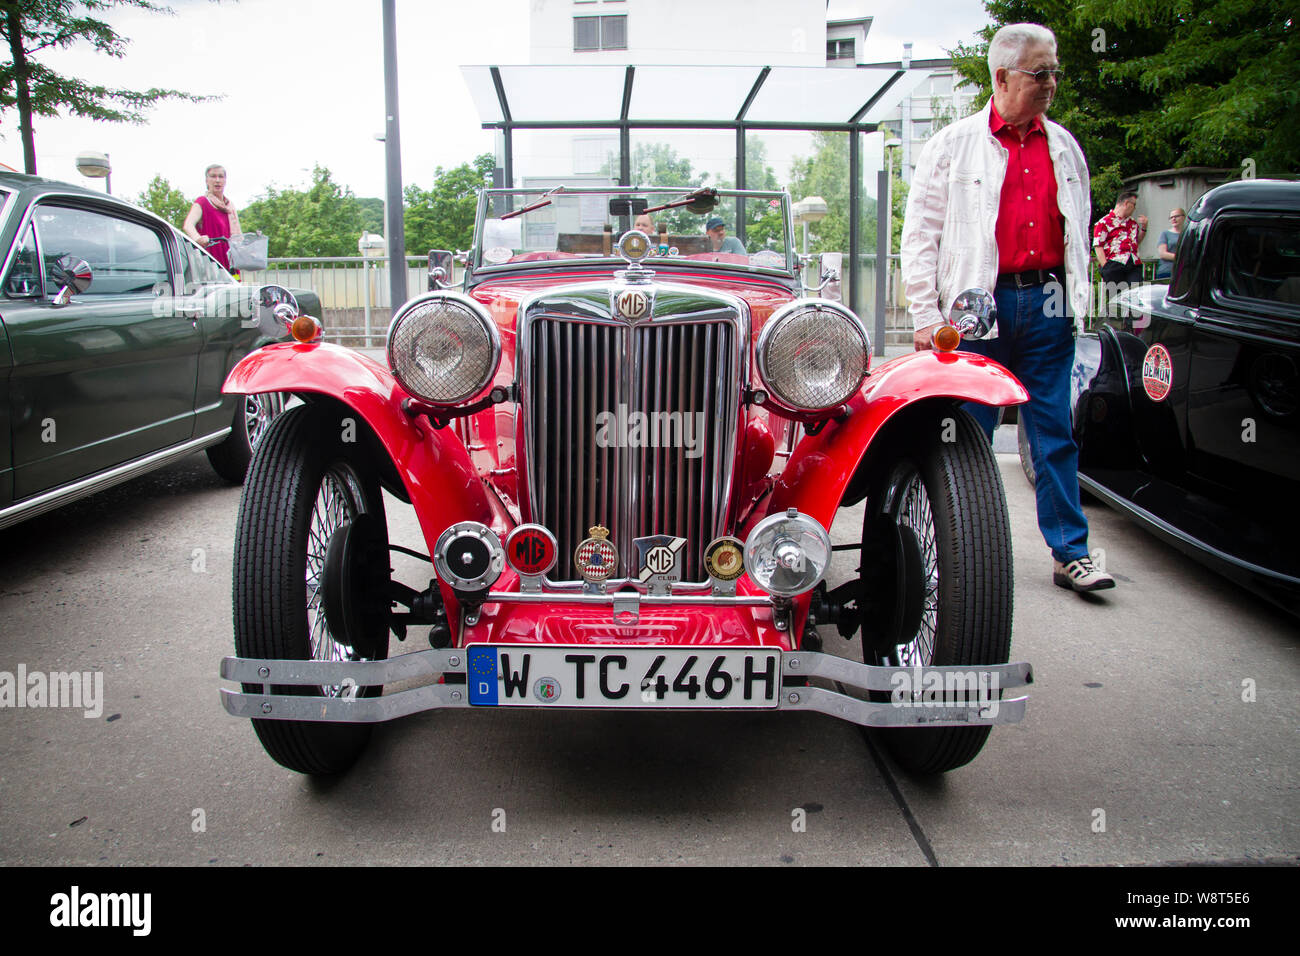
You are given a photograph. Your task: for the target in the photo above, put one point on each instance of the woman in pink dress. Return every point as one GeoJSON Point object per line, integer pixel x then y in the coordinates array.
{"type": "Point", "coordinates": [213, 216]}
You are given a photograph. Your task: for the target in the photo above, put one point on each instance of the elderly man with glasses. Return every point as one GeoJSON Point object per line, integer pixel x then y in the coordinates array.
{"type": "Point", "coordinates": [999, 200]}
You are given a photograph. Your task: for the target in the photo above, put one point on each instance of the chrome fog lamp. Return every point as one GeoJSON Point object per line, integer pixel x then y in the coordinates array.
{"type": "Point", "coordinates": [443, 348]}
{"type": "Point", "coordinates": [813, 355]}
{"type": "Point", "coordinates": [787, 554]}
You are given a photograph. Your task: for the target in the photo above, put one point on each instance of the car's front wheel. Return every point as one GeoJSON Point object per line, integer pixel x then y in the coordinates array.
{"type": "Point", "coordinates": [253, 417]}
{"type": "Point", "coordinates": [305, 485]}
{"type": "Point", "coordinates": [940, 517]}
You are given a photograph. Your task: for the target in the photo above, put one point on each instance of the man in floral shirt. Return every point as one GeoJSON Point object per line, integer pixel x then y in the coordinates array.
{"type": "Point", "coordinates": [1115, 240]}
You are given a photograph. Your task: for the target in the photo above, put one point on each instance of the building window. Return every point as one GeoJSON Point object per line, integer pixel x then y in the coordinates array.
{"type": "Point", "coordinates": [600, 33]}
{"type": "Point", "coordinates": [839, 49]}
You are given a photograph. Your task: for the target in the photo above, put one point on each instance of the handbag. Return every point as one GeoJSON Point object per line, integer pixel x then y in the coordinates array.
{"type": "Point", "coordinates": [248, 251]}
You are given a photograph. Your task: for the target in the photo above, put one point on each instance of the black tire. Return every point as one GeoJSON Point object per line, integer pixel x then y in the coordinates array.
{"type": "Point", "coordinates": [253, 416]}
{"type": "Point", "coordinates": [951, 494]}
{"type": "Point", "coordinates": [304, 482]}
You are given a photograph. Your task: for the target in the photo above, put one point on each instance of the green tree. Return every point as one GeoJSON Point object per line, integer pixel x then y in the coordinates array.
{"type": "Point", "coordinates": [372, 215]}
{"type": "Point", "coordinates": [825, 173]}
{"type": "Point", "coordinates": [30, 26]}
{"type": "Point", "coordinates": [443, 217]}
{"type": "Point", "coordinates": [164, 200]}
{"type": "Point", "coordinates": [1151, 85]}
{"type": "Point", "coordinates": [323, 220]}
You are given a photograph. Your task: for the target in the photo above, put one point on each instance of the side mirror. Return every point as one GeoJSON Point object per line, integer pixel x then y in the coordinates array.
{"type": "Point", "coordinates": [73, 275]}
{"type": "Point", "coordinates": [974, 313]}
{"type": "Point", "coordinates": [274, 308]}
{"type": "Point", "coordinates": [440, 269]}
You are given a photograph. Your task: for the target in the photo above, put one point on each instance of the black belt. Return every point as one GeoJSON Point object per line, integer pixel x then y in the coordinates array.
{"type": "Point", "coordinates": [1030, 277]}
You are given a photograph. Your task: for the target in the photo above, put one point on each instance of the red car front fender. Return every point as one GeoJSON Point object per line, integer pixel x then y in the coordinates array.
{"type": "Point", "coordinates": [821, 466]}
{"type": "Point", "coordinates": [433, 464]}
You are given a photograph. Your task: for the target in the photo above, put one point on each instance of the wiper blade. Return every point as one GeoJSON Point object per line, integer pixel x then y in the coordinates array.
{"type": "Point", "coordinates": [700, 201]}
{"type": "Point", "coordinates": [544, 201]}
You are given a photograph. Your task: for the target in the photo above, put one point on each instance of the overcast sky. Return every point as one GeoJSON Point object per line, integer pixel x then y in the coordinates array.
{"type": "Point", "coordinates": [302, 83]}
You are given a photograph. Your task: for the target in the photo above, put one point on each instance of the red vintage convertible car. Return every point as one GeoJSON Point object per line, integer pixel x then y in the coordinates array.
{"type": "Point", "coordinates": [624, 450]}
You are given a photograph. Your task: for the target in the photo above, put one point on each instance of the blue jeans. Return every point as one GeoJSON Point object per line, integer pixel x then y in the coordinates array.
{"type": "Point", "coordinates": [1039, 350]}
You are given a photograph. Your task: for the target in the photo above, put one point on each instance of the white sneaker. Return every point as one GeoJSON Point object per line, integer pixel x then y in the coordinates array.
{"type": "Point", "coordinates": [1081, 575]}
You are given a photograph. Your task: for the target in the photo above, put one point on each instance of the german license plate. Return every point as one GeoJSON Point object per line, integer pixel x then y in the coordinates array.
{"type": "Point", "coordinates": [500, 675]}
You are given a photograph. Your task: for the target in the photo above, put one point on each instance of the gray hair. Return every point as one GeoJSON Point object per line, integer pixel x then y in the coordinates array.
{"type": "Point", "coordinates": [1008, 45]}
{"type": "Point", "coordinates": [214, 166]}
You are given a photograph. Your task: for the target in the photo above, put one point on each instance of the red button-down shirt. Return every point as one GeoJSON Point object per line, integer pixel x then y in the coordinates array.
{"type": "Point", "coordinates": [1030, 231]}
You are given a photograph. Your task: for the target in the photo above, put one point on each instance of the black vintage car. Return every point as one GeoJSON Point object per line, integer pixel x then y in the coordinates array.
{"type": "Point", "coordinates": [116, 334]}
{"type": "Point", "coordinates": [1187, 402]}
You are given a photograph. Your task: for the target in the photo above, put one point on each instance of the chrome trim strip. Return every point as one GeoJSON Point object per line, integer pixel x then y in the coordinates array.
{"type": "Point", "coordinates": [49, 500]}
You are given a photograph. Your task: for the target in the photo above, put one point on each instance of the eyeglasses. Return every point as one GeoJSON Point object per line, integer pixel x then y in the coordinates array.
{"type": "Point", "coordinates": [1041, 76]}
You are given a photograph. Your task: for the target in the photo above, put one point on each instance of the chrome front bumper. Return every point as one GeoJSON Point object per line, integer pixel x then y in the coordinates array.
{"type": "Point", "coordinates": [906, 708]}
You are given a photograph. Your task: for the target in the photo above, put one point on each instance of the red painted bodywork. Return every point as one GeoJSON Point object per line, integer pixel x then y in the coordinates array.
{"type": "Point", "coordinates": [469, 471]}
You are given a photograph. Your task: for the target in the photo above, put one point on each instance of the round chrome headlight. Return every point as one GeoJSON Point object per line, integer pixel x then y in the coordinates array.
{"type": "Point", "coordinates": [787, 554]}
{"type": "Point", "coordinates": [812, 355]}
{"type": "Point", "coordinates": [443, 348]}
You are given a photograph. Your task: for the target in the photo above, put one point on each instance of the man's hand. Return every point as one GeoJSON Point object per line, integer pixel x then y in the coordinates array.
{"type": "Point", "coordinates": [1142, 222]}
{"type": "Point", "coordinates": [923, 339]}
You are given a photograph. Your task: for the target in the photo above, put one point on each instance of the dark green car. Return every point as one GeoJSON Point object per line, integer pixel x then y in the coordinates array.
{"type": "Point", "coordinates": [116, 334]}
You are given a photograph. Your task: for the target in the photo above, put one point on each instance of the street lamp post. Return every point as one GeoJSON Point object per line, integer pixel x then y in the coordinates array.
{"type": "Point", "coordinates": [889, 199]}
{"type": "Point", "coordinates": [890, 146]}
{"type": "Point", "coordinates": [96, 166]}
{"type": "Point", "coordinates": [809, 210]}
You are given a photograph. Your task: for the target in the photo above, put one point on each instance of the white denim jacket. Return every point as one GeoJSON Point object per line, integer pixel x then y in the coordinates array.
{"type": "Point", "coordinates": [948, 240]}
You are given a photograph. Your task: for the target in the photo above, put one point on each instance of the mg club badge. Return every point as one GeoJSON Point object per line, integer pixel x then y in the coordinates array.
{"type": "Point", "coordinates": [659, 561]}
{"type": "Point", "coordinates": [724, 559]}
{"type": "Point", "coordinates": [596, 558]}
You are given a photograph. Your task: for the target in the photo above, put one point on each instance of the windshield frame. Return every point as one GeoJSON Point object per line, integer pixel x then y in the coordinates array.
{"type": "Point", "coordinates": [476, 269]}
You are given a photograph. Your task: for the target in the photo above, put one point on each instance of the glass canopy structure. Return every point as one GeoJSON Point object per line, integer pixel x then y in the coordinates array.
{"type": "Point", "coordinates": [744, 101]}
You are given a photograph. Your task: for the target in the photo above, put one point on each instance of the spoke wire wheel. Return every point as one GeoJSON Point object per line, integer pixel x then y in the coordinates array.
{"type": "Point", "coordinates": [949, 495]}
{"type": "Point", "coordinates": [259, 411]}
{"type": "Point", "coordinates": [338, 501]}
{"type": "Point", "coordinates": [304, 484]}
{"type": "Point", "coordinates": [914, 512]}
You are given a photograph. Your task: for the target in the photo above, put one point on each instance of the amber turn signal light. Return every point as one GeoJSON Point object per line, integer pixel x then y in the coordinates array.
{"type": "Point", "coordinates": [305, 329]}
{"type": "Point", "coordinates": [946, 338]}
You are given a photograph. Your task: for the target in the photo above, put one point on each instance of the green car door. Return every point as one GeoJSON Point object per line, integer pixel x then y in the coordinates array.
{"type": "Point", "coordinates": [110, 376]}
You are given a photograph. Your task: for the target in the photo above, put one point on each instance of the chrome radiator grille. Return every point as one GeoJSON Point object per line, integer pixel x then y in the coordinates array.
{"type": "Point", "coordinates": [592, 384]}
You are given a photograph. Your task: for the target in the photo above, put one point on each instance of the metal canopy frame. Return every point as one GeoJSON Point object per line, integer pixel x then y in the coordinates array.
{"type": "Point", "coordinates": [885, 94]}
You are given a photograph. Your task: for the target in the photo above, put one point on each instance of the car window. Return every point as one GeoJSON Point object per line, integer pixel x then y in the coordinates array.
{"type": "Point", "coordinates": [125, 257]}
{"type": "Point", "coordinates": [1263, 262]}
{"type": "Point", "coordinates": [24, 278]}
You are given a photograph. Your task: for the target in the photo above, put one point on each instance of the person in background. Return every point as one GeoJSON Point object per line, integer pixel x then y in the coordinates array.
{"type": "Point", "coordinates": [717, 230]}
{"type": "Point", "coordinates": [213, 216]}
{"type": "Point", "coordinates": [645, 224]}
{"type": "Point", "coordinates": [1115, 240]}
{"type": "Point", "coordinates": [1169, 244]}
